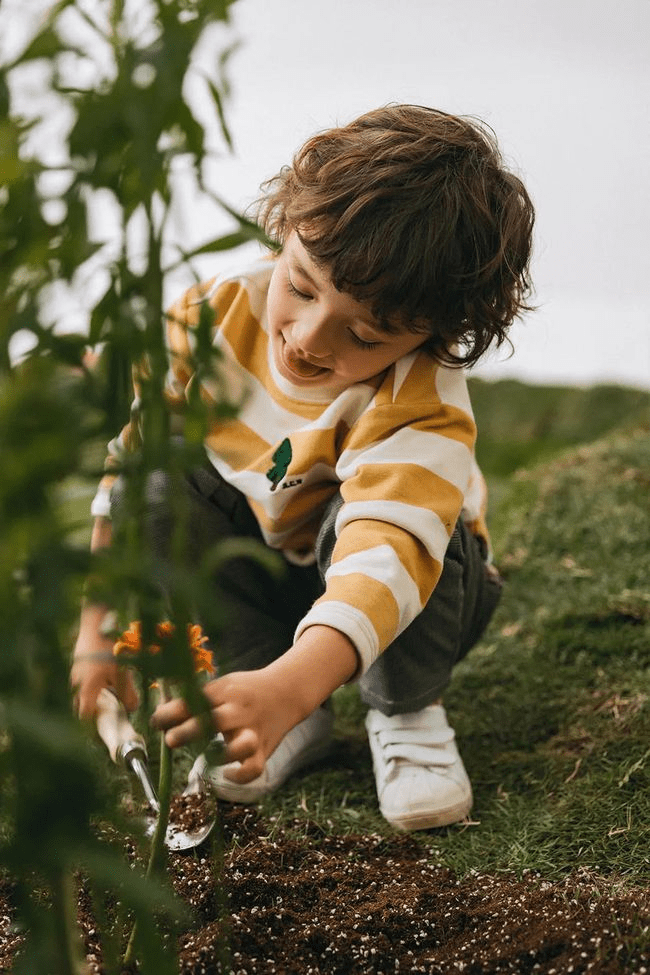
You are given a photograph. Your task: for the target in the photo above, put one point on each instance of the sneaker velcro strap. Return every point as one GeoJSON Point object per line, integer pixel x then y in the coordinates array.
{"type": "Point", "coordinates": [419, 754]}
{"type": "Point", "coordinates": [416, 736]}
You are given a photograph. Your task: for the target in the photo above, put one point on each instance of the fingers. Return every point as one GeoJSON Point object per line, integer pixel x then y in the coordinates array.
{"type": "Point", "coordinates": [181, 726]}
{"type": "Point", "coordinates": [87, 682]}
{"type": "Point", "coordinates": [244, 747]}
{"type": "Point", "coordinates": [170, 713]}
{"type": "Point", "coordinates": [85, 704]}
{"type": "Point", "coordinates": [245, 771]}
{"type": "Point", "coordinates": [87, 678]}
{"type": "Point", "coordinates": [126, 690]}
{"type": "Point", "coordinates": [178, 723]}
{"type": "Point", "coordinates": [239, 711]}
{"type": "Point", "coordinates": [187, 731]}
{"type": "Point", "coordinates": [242, 744]}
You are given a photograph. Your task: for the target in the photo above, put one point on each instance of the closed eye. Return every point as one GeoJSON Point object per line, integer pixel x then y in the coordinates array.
{"type": "Point", "coordinates": [294, 291]}
{"type": "Point", "coordinates": [361, 342]}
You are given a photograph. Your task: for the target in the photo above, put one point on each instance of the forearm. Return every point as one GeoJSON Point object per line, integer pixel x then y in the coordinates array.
{"type": "Point", "coordinates": [321, 660]}
{"type": "Point", "coordinates": [93, 613]}
{"type": "Point", "coordinates": [93, 663]}
{"type": "Point", "coordinates": [102, 534]}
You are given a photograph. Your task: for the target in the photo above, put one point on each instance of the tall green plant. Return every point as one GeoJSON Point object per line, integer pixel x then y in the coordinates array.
{"type": "Point", "coordinates": [122, 131]}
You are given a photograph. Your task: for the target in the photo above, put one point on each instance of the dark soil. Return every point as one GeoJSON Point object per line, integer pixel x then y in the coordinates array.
{"type": "Point", "coordinates": [302, 903]}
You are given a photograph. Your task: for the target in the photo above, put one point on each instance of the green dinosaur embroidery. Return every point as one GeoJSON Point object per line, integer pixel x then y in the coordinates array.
{"type": "Point", "coordinates": [282, 458]}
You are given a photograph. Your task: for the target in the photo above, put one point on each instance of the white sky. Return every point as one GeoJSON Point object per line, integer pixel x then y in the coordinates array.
{"type": "Point", "coordinates": [566, 86]}
{"type": "Point", "coordinates": [564, 83]}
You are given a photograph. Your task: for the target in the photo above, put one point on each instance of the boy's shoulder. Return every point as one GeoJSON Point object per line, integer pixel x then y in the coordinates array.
{"type": "Point", "coordinates": [222, 290]}
{"type": "Point", "coordinates": [419, 378]}
{"type": "Point", "coordinates": [253, 276]}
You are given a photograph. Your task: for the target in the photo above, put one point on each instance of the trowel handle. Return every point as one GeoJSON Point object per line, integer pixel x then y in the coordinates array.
{"type": "Point", "coordinates": [115, 729]}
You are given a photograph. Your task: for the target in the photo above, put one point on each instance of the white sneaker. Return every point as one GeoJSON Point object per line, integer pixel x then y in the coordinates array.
{"type": "Point", "coordinates": [308, 742]}
{"type": "Point", "coordinates": [421, 780]}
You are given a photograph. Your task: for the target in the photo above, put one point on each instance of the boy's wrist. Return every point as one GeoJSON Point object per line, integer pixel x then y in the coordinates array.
{"type": "Point", "coordinates": [99, 656]}
{"type": "Point", "coordinates": [321, 660]}
{"type": "Point", "coordinates": [95, 638]}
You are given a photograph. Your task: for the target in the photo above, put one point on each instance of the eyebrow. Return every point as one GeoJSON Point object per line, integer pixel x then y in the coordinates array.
{"type": "Point", "coordinates": [387, 327]}
{"type": "Point", "coordinates": [297, 266]}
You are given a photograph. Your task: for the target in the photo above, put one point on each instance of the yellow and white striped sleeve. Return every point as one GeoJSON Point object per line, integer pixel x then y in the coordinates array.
{"type": "Point", "coordinates": [404, 472]}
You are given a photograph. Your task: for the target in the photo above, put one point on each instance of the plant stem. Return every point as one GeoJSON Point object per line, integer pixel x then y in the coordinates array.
{"type": "Point", "coordinates": [64, 905]}
{"type": "Point", "coordinates": [157, 848]}
{"type": "Point", "coordinates": [157, 854]}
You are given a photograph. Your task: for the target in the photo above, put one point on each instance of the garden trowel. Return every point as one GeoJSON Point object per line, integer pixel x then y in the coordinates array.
{"type": "Point", "coordinates": [126, 747]}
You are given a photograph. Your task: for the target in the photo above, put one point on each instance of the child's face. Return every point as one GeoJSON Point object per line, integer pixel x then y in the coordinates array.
{"type": "Point", "coordinates": [321, 336]}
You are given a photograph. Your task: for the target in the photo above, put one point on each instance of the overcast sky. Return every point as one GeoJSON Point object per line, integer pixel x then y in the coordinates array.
{"type": "Point", "coordinates": [564, 83]}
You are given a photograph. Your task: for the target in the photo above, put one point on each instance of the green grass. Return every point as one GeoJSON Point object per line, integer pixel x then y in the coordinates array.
{"type": "Point", "coordinates": [552, 708]}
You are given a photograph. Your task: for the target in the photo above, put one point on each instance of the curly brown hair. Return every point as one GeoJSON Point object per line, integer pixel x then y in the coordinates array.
{"type": "Point", "coordinates": [412, 209]}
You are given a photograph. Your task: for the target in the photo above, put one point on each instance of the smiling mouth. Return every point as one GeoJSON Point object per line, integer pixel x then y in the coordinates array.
{"type": "Point", "coordinates": [300, 367]}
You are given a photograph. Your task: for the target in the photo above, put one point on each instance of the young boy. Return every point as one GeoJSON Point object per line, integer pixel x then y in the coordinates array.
{"type": "Point", "coordinates": [405, 248]}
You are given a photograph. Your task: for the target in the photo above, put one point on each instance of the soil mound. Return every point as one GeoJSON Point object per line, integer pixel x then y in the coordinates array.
{"type": "Point", "coordinates": [301, 903]}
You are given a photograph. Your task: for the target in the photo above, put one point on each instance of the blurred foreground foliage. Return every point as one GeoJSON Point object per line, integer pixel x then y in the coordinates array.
{"type": "Point", "coordinates": [114, 74]}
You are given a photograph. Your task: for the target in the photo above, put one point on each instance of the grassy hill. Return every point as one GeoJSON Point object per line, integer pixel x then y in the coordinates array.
{"type": "Point", "coordinates": [520, 424]}
{"type": "Point", "coordinates": [552, 709]}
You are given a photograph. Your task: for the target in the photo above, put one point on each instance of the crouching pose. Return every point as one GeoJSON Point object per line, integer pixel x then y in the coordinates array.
{"type": "Point", "coordinates": [404, 247]}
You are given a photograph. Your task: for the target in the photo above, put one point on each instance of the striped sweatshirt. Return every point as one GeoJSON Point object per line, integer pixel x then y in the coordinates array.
{"type": "Point", "coordinates": [399, 447]}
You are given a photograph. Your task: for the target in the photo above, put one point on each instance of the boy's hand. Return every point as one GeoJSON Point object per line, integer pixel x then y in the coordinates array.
{"type": "Point", "coordinates": [95, 667]}
{"type": "Point", "coordinates": [255, 709]}
{"type": "Point", "coordinates": [249, 710]}
{"type": "Point", "coordinates": [89, 676]}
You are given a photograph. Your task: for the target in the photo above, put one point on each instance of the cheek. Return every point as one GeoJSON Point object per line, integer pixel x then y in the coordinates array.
{"type": "Point", "coordinates": [273, 306]}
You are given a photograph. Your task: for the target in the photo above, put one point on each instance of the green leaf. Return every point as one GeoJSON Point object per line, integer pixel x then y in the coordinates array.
{"type": "Point", "coordinates": [54, 735]}
{"type": "Point", "coordinates": [134, 889]}
{"type": "Point", "coordinates": [224, 58]}
{"type": "Point", "coordinates": [218, 104]}
{"type": "Point", "coordinates": [4, 95]}
{"type": "Point", "coordinates": [11, 167]}
{"type": "Point", "coordinates": [256, 232]}
{"type": "Point", "coordinates": [47, 44]}
{"type": "Point", "coordinates": [225, 243]}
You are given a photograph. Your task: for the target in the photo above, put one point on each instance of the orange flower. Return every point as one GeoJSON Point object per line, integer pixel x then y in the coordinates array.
{"type": "Point", "coordinates": [200, 653]}
{"type": "Point", "coordinates": [131, 643]}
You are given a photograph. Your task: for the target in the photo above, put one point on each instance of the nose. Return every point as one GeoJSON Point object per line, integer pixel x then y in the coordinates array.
{"type": "Point", "coordinates": [310, 337]}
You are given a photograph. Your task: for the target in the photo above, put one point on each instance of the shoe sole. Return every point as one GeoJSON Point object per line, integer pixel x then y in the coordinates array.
{"type": "Point", "coordinates": [410, 822]}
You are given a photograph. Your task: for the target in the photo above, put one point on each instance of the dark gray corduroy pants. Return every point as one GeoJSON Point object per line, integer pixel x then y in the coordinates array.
{"type": "Point", "coordinates": [262, 612]}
